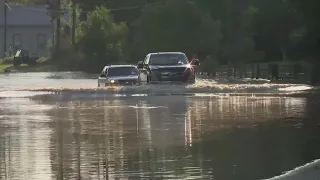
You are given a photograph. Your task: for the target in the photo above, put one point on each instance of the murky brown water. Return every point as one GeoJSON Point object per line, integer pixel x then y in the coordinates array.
{"type": "Point", "coordinates": [156, 137]}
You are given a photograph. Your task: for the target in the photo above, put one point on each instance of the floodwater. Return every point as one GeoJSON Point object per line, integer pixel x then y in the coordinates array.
{"type": "Point", "coordinates": [60, 126]}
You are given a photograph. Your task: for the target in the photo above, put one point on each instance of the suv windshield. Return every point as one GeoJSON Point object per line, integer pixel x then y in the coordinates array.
{"type": "Point", "coordinates": [122, 71]}
{"type": "Point", "coordinates": [168, 59]}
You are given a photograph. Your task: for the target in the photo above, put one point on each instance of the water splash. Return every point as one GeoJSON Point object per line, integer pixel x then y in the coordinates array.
{"type": "Point", "coordinates": [201, 87]}
{"type": "Point", "coordinates": [22, 94]}
{"type": "Point", "coordinates": [83, 85]}
{"type": "Point", "coordinates": [296, 88]}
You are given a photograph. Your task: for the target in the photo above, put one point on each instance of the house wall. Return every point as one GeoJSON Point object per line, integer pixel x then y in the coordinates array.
{"type": "Point", "coordinates": [2, 11]}
{"type": "Point", "coordinates": [34, 38]}
{"type": "Point", "coordinates": [27, 24]}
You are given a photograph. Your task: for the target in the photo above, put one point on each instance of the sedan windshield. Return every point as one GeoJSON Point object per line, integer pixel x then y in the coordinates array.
{"type": "Point", "coordinates": [122, 71]}
{"type": "Point", "coordinates": [168, 59]}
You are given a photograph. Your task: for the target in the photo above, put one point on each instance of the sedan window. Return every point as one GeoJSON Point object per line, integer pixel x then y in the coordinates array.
{"type": "Point", "coordinates": [122, 71]}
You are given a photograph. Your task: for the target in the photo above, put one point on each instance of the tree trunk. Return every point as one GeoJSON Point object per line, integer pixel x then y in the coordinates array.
{"type": "Point", "coordinates": [53, 36]}
{"type": "Point", "coordinates": [252, 71]}
{"type": "Point", "coordinates": [315, 74]}
{"type": "Point", "coordinates": [258, 72]}
{"type": "Point", "coordinates": [274, 71]}
{"type": "Point", "coordinates": [284, 54]}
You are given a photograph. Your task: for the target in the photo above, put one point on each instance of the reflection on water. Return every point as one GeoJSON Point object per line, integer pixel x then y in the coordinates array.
{"type": "Point", "coordinates": [162, 137]}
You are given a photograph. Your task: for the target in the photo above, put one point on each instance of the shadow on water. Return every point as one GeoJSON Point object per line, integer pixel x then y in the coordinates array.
{"type": "Point", "coordinates": [159, 137]}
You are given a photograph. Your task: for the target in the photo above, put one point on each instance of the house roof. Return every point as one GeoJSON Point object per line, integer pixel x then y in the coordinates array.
{"type": "Point", "coordinates": [28, 15]}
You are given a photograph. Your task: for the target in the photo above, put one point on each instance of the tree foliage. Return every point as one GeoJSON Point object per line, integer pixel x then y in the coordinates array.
{"type": "Point", "coordinates": [184, 28]}
{"type": "Point", "coordinates": [236, 31]}
{"type": "Point", "coordinates": [100, 39]}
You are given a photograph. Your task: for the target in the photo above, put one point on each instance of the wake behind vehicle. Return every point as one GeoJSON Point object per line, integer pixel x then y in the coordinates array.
{"type": "Point", "coordinates": [167, 67]}
{"type": "Point", "coordinates": [119, 75]}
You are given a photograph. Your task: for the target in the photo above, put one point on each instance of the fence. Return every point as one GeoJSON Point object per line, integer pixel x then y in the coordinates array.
{"type": "Point", "coordinates": [274, 71]}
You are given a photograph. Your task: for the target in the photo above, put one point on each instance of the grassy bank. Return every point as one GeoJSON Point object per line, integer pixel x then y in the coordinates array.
{"type": "Point", "coordinates": [43, 65]}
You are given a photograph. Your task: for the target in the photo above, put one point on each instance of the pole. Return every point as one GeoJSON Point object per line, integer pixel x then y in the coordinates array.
{"type": "Point", "coordinates": [58, 25]}
{"type": "Point", "coordinates": [229, 11]}
{"type": "Point", "coordinates": [5, 29]}
{"type": "Point", "coordinates": [73, 22]}
{"type": "Point", "coordinates": [52, 29]}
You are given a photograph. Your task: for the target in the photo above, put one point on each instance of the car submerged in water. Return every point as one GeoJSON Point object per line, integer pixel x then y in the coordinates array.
{"type": "Point", "coordinates": [119, 75]}
{"type": "Point", "coordinates": [167, 67]}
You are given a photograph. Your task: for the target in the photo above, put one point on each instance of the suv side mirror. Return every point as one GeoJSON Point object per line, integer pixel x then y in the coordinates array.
{"type": "Point", "coordinates": [140, 65]}
{"type": "Point", "coordinates": [196, 62]}
{"type": "Point", "coordinates": [102, 75]}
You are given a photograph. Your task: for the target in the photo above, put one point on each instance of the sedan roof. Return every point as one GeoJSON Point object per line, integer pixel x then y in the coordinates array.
{"type": "Point", "coordinates": [115, 66]}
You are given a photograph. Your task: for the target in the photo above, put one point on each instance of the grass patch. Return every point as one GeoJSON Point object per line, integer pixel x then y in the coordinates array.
{"type": "Point", "coordinates": [43, 65]}
{"type": "Point", "coordinates": [4, 66]}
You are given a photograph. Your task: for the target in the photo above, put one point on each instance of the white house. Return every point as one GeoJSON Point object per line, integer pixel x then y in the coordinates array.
{"type": "Point", "coordinates": [27, 27]}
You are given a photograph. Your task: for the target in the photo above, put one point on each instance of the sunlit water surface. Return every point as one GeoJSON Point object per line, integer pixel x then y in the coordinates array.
{"type": "Point", "coordinates": [60, 126]}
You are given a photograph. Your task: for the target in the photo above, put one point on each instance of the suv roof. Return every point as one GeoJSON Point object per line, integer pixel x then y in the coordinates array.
{"type": "Point", "coordinates": [167, 53]}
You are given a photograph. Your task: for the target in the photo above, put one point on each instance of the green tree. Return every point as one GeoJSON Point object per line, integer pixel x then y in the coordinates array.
{"type": "Point", "coordinates": [176, 26]}
{"type": "Point", "coordinates": [310, 46]}
{"type": "Point", "coordinates": [276, 23]}
{"type": "Point", "coordinates": [100, 40]}
{"type": "Point", "coordinates": [237, 31]}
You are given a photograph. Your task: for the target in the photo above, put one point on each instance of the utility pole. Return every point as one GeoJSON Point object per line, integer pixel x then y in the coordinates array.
{"type": "Point", "coordinates": [229, 11]}
{"type": "Point", "coordinates": [73, 33]}
{"type": "Point", "coordinates": [58, 9]}
{"type": "Point", "coordinates": [5, 29]}
{"type": "Point", "coordinates": [52, 29]}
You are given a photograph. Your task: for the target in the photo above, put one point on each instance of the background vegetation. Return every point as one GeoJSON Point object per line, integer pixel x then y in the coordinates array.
{"type": "Point", "coordinates": [219, 31]}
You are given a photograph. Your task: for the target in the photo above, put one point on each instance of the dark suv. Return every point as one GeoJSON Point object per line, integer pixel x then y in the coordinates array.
{"type": "Point", "coordinates": [167, 67]}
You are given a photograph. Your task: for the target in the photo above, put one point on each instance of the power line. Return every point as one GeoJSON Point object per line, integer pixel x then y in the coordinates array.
{"type": "Point", "coordinates": [111, 10]}
{"type": "Point", "coordinates": [67, 10]}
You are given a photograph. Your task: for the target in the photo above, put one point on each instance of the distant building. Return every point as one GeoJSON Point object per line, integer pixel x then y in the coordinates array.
{"type": "Point", "coordinates": [27, 27]}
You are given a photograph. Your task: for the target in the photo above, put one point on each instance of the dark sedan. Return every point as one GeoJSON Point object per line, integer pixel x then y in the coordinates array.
{"type": "Point", "coordinates": [116, 75]}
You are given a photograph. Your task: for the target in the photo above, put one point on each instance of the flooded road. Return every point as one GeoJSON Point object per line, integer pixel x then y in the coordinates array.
{"type": "Point", "coordinates": [59, 126]}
